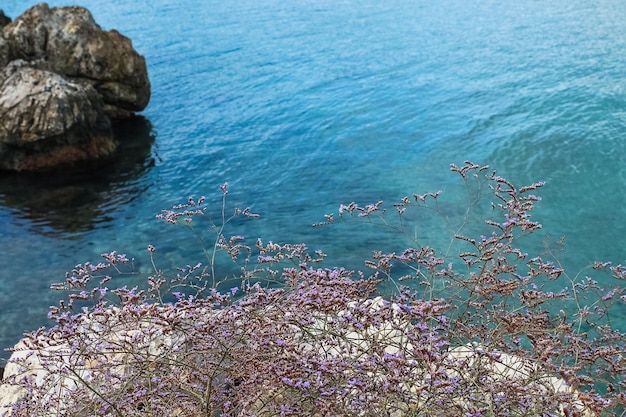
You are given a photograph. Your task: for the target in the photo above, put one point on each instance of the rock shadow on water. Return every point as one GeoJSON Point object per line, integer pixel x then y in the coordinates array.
{"type": "Point", "coordinates": [65, 201]}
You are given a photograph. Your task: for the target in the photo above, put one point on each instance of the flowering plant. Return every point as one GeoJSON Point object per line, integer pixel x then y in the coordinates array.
{"type": "Point", "coordinates": [480, 333]}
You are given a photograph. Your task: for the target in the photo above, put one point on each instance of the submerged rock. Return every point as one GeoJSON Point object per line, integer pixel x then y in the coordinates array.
{"type": "Point", "coordinates": [64, 81]}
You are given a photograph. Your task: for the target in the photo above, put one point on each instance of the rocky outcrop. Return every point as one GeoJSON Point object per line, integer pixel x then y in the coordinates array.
{"type": "Point", "coordinates": [157, 336]}
{"type": "Point", "coordinates": [48, 121]}
{"type": "Point", "coordinates": [43, 361]}
{"type": "Point", "coordinates": [72, 44]}
{"type": "Point", "coordinates": [64, 81]}
{"type": "Point", "coordinates": [4, 19]}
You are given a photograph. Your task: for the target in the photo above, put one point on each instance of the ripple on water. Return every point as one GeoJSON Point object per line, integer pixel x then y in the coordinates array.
{"type": "Point", "coordinates": [302, 106]}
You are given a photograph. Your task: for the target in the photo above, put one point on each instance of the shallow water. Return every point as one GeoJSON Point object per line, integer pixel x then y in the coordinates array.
{"type": "Point", "coordinates": [302, 106]}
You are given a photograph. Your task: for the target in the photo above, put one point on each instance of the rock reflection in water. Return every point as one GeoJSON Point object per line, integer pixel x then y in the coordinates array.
{"type": "Point", "coordinates": [63, 202]}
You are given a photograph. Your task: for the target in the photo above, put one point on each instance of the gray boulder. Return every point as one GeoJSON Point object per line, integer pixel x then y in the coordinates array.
{"type": "Point", "coordinates": [46, 121]}
{"type": "Point", "coordinates": [64, 81]}
{"type": "Point", "coordinates": [75, 46]}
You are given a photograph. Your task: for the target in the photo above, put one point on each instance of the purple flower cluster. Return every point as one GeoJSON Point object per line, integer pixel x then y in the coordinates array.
{"type": "Point", "coordinates": [484, 333]}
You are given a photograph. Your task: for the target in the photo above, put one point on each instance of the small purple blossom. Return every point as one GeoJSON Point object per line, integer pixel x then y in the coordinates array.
{"type": "Point", "coordinates": [482, 336]}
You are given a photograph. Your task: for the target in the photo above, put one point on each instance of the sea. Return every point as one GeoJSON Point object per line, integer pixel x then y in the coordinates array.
{"type": "Point", "coordinates": [301, 106]}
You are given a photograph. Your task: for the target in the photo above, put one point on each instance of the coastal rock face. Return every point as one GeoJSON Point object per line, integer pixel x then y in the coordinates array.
{"type": "Point", "coordinates": [160, 336]}
{"type": "Point", "coordinates": [72, 44]}
{"type": "Point", "coordinates": [46, 120]}
{"type": "Point", "coordinates": [42, 362]}
{"type": "Point", "coordinates": [64, 81]}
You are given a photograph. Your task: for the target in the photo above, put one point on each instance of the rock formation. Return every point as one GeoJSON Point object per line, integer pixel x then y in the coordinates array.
{"type": "Point", "coordinates": [47, 120]}
{"type": "Point", "coordinates": [4, 19]}
{"type": "Point", "coordinates": [64, 81]}
{"type": "Point", "coordinates": [152, 335]}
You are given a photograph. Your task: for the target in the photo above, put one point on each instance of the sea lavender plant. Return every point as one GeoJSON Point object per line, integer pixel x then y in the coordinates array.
{"type": "Point", "coordinates": [485, 332]}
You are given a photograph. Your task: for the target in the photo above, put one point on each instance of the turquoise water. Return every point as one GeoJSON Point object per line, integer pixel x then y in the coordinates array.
{"type": "Point", "coordinates": [304, 105]}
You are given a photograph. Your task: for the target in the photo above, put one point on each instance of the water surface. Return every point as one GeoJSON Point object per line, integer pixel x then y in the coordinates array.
{"type": "Point", "coordinates": [304, 105]}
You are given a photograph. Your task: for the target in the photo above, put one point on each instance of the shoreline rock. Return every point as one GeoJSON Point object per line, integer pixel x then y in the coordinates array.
{"type": "Point", "coordinates": [153, 336]}
{"type": "Point", "coordinates": [65, 80]}
{"type": "Point", "coordinates": [48, 121]}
